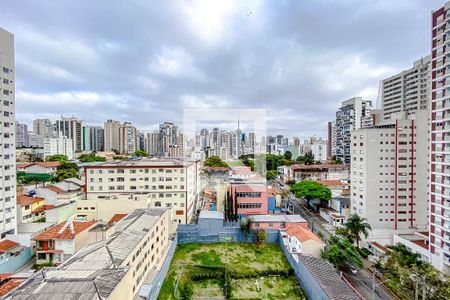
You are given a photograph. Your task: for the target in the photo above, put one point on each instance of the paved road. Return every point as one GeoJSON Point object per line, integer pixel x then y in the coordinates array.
{"type": "Point", "coordinates": [363, 280]}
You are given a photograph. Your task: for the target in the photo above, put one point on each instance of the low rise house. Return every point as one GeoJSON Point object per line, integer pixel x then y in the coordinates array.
{"type": "Point", "coordinates": [26, 205]}
{"type": "Point", "coordinates": [63, 240]}
{"type": "Point", "coordinates": [278, 221]}
{"type": "Point", "coordinates": [48, 167]}
{"type": "Point", "coordinates": [315, 172]}
{"type": "Point", "coordinates": [417, 242]}
{"type": "Point", "coordinates": [67, 190]}
{"type": "Point", "coordinates": [13, 255]}
{"type": "Point", "coordinates": [249, 199]}
{"type": "Point", "coordinates": [301, 240]}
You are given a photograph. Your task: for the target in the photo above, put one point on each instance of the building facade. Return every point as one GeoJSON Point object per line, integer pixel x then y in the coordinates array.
{"type": "Point", "coordinates": [8, 222]}
{"type": "Point", "coordinates": [112, 129]}
{"type": "Point", "coordinates": [71, 128]}
{"type": "Point", "coordinates": [22, 138]}
{"type": "Point", "coordinates": [389, 176]}
{"type": "Point", "coordinates": [440, 141]}
{"type": "Point", "coordinates": [331, 141]}
{"type": "Point", "coordinates": [42, 127]}
{"type": "Point", "coordinates": [172, 183]}
{"type": "Point", "coordinates": [61, 145]}
{"type": "Point", "coordinates": [93, 138]}
{"type": "Point", "coordinates": [407, 91]}
{"type": "Point", "coordinates": [353, 114]}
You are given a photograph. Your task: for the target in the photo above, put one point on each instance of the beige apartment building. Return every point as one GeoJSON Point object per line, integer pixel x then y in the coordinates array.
{"type": "Point", "coordinates": [113, 269]}
{"type": "Point", "coordinates": [170, 183]}
{"type": "Point", "coordinates": [389, 176]}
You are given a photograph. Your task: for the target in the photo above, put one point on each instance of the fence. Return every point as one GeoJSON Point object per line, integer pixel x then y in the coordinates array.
{"type": "Point", "coordinates": [159, 278]}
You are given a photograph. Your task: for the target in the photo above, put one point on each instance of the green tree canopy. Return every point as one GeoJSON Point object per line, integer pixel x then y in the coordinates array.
{"type": "Point", "coordinates": [58, 157]}
{"type": "Point", "coordinates": [140, 153]}
{"type": "Point", "coordinates": [91, 157]}
{"type": "Point", "coordinates": [311, 190]}
{"type": "Point", "coordinates": [357, 226]}
{"type": "Point", "coordinates": [287, 155]}
{"type": "Point", "coordinates": [341, 253]}
{"type": "Point", "coordinates": [309, 158]}
{"type": "Point", "coordinates": [215, 161]}
{"type": "Point", "coordinates": [271, 175]}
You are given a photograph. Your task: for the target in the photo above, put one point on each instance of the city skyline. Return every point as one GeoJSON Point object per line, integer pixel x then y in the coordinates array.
{"type": "Point", "coordinates": [71, 72]}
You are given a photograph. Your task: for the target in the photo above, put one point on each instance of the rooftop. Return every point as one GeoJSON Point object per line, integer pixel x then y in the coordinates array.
{"type": "Point", "coordinates": [43, 208]}
{"type": "Point", "coordinates": [66, 230]}
{"type": "Point", "coordinates": [116, 218]}
{"type": "Point", "coordinates": [46, 164]}
{"type": "Point", "coordinates": [24, 200]}
{"type": "Point", "coordinates": [6, 245]}
{"type": "Point", "coordinates": [205, 214]}
{"type": "Point", "coordinates": [328, 279]}
{"type": "Point", "coordinates": [279, 218]}
{"type": "Point", "coordinates": [318, 167]}
{"type": "Point", "coordinates": [303, 234]}
{"type": "Point", "coordinates": [144, 162]}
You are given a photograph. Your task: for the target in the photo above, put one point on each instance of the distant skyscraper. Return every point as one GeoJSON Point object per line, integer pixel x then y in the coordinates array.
{"type": "Point", "coordinates": [22, 139]}
{"type": "Point", "coordinates": [42, 127]}
{"type": "Point", "coordinates": [331, 148]}
{"type": "Point", "coordinates": [170, 141]}
{"type": "Point", "coordinates": [111, 132]}
{"type": "Point", "coordinates": [8, 224]}
{"type": "Point", "coordinates": [71, 128]}
{"type": "Point", "coordinates": [353, 114]}
{"type": "Point", "coordinates": [128, 138]}
{"type": "Point", "coordinates": [93, 138]}
{"type": "Point", "coordinates": [151, 143]}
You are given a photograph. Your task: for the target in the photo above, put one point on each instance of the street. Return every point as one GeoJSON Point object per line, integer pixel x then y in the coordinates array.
{"type": "Point", "coordinates": [363, 280]}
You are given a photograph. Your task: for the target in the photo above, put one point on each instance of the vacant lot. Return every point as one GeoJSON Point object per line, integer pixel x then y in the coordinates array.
{"type": "Point", "coordinates": [229, 271]}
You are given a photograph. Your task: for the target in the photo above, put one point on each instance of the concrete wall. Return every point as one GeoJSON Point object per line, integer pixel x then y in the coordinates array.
{"type": "Point", "coordinates": [15, 263]}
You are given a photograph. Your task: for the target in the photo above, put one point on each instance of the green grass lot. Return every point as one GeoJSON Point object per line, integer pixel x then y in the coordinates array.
{"type": "Point", "coordinates": [235, 163]}
{"type": "Point", "coordinates": [205, 270]}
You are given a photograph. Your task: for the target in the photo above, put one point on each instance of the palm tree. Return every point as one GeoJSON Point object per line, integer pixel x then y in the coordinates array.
{"type": "Point", "coordinates": [357, 225]}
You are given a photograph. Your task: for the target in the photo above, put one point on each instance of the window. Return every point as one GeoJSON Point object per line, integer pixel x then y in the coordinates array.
{"type": "Point", "coordinates": [249, 205]}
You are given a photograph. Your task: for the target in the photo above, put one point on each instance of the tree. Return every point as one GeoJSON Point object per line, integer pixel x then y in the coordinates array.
{"type": "Point", "coordinates": [246, 227]}
{"type": "Point", "coordinates": [309, 158]}
{"type": "Point", "coordinates": [58, 157]}
{"type": "Point", "coordinates": [116, 152]}
{"type": "Point", "coordinates": [271, 175]}
{"type": "Point", "coordinates": [90, 158]}
{"type": "Point", "coordinates": [335, 160]}
{"type": "Point", "coordinates": [67, 170]}
{"type": "Point", "coordinates": [140, 153]}
{"type": "Point", "coordinates": [310, 190]}
{"type": "Point", "coordinates": [215, 161]}
{"type": "Point", "coordinates": [260, 236]}
{"type": "Point", "coordinates": [357, 225]}
{"type": "Point", "coordinates": [342, 253]}
{"type": "Point", "coordinates": [287, 155]}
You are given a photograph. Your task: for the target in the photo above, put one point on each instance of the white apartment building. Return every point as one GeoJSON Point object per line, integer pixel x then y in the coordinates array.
{"type": "Point", "coordinates": [112, 140]}
{"type": "Point", "coordinates": [389, 176]}
{"type": "Point", "coordinates": [61, 145]}
{"type": "Point", "coordinates": [22, 138]}
{"type": "Point", "coordinates": [8, 222]}
{"type": "Point", "coordinates": [353, 114]}
{"type": "Point", "coordinates": [331, 141]}
{"type": "Point", "coordinates": [440, 141]}
{"type": "Point", "coordinates": [42, 127]}
{"type": "Point", "coordinates": [406, 91]}
{"type": "Point", "coordinates": [151, 143]}
{"type": "Point", "coordinates": [128, 138]}
{"type": "Point", "coordinates": [172, 183]}
{"type": "Point", "coordinates": [319, 150]}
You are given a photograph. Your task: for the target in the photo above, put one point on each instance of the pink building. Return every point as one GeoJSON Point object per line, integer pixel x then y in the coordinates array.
{"type": "Point", "coordinates": [278, 221]}
{"type": "Point", "coordinates": [249, 199]}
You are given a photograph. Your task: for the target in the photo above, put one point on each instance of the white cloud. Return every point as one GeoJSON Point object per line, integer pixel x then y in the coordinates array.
{"type": "Point", "coordinates": [206, 101]}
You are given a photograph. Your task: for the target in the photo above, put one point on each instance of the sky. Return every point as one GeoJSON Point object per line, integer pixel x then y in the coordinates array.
{"type": "Point", "coordinates": [145, 61]}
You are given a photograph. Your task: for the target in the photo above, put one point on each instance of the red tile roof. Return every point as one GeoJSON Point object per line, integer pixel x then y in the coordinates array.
{"type": "Point", "coordinates": [241, 170]}
{"type": "Point", "coordinates": [331, 182]}
{"type": "Point", "coordinates": [24, 200]}
{"type": "Point", "coordinates": [48, 164]}
{"type": "Point", "coordinates": [43, 208]}
{"type": "Point", "coordinates": [303, 234]}
{"type": "Point", "coordinates": [5, 245]}
{"type": "Point", "coordinates": [116, 218]}
{"type": "Point", "coordinates": [381, 247]}
{"type": "Point", "coordinates": [24, 165]}
{"type": "Point", "coordinates": [312, 167]}
{"type": "Point", "coordinates": [9, 285]}
{"type": "Point", "coordinates": [57, 232]}
{"type": "Point", "coordinates": [421, 243]}
{"type": "Point", "coordinates": [54, 188]}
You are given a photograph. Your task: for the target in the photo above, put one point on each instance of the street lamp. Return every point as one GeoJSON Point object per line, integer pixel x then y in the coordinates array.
{"type": "Point", "coordinates": [374, 286]}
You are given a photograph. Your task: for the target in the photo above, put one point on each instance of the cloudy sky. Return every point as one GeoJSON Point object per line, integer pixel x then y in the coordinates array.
{"type": "Point", "coordinates": [144, 61]}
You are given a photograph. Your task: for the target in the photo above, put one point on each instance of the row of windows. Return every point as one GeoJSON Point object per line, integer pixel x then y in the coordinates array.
{"type": "Point", "coordinates": [134, 171]}
{"type": "Point", "coordinates": [249, 205]}
{"type": "Point", "coordinates": [248, 194]}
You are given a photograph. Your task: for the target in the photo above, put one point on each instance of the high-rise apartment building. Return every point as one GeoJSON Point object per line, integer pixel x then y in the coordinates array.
{"type": "Point", "coordinates": [93, 138]}
{"type": "Point", "coordinates": [353, 114]}
{"type": "Point", "coordinates": [72, 128]}
{"type": "Point", "coordinates": [331, 141]}
{"type": "Point", "coordinates": [42, 127]}
{"type": "Point", "coordinates": [406, 91]}
{"type": "Point", "coordinates": [128, 138]}
{"type": "Point", "coordinates": [112, 130]}
{"type": "Point", "coordinates": [8, 221]}
{"type": "Point", "coordinates": [170, 141]}
{"type": "Point", "coordinates": [440, 140]}
{"type": "Point", "coordinates": [22, 139]}
{"type": "Point", "coordinates": [151, 143]}
{"type": "Point", "coordinates": [319, 149]}
{"type": "Point", "coordinates": [389, 176]}
{"type": "Point", "coordinates": [60, 145]}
